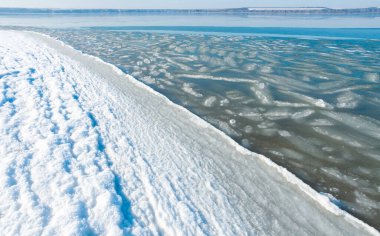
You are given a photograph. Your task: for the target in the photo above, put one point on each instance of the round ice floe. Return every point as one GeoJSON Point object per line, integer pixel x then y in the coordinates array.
{"type": "Point", "coordinates": [328, 149]}
{"type": "Point", "coordinates": [234, 95]}
{"type": "Point", "coordinates": [136, 73]}
{"type": "Point", "coordinates": [154, 73]}
{"type": "Point", "coordinates": [224, 102]}
{"type": "Point", "coordinates": [277, 114]}
{"type": "Point", "coordinates": [209, 102]}
{"type": "Point", "coordinates": [255, 116]}
{"type": "Point", "coordinates": [266, 69]}
{"type": "Point", "coordinates": [261, 85]}
{"type": "Point", "coordinates": [249, 67]}
{"type": "Point", "coordinates": [248, 129]}
{"type": "Point", "coordinates": [302, 114]}
{"type": "Point", "coordinates": [373, 77]}
{"type": "Point", "coordinates": [162, 70]}
{"type": "Point", "coordinates": [188, 89]}
{"type": "Point", "coordinates": [232, 122]}
{"type": "Point", "coordinates": [321, 122]}
{"type": "Point", "coordinates": [167, 82]}
{"type": "Point", "coordinates": [323, 77]}
{"type": "Point", "coordinates": [284, 133]}
{"type": "Point", "coordinates": [348, 100]}
{"type": "Point", "coordinates": [266, 124]}
{"type": "Point", "coordinates": [228, 111]}
{"type": "Point", "coordinates": [306, 78]}
{"type": "Point", "coordinates": [320, 103]}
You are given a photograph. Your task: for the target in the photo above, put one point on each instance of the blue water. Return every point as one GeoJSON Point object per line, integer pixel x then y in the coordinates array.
{"type": "Point", "coordinates": [348, 33]}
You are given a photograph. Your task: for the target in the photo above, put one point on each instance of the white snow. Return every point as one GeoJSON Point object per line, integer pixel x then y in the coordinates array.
{"type": "Point", "coordinates": [86, 149]}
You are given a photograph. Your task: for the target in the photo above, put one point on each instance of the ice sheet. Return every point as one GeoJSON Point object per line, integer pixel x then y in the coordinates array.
{"type": "Point", "coordinates": [87, 149]}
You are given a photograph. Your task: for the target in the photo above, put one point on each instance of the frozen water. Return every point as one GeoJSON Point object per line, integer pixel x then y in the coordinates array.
{"type": "Point", "coordinates": [277, 114]}
{"type": "Point", "coordinates": [262, 93]}
{"type": "Point", "coordinates": [189, 89]}
{"type": "Point", "coordinates": [324, 91]}
{"type": "Point", "coordinates": [209, 102]}
{"type": "Point", "coordinates": [284, 133]}
{"type": "Point", "coordinates": [373, 77]}
{"type": "Point", "coordinates": [348, 100]}
{"type": "Point", "coordinates": [302, 114]}
{"type": "Point", "coordinates": [89, 150]}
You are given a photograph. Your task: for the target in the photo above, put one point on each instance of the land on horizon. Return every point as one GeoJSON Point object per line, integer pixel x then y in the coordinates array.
{"type": "Point", "coordinates": [243, 10]}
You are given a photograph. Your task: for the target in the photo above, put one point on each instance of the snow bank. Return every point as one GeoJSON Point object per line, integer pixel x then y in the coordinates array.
{"type": "Point", "coordinates": [87, 149]}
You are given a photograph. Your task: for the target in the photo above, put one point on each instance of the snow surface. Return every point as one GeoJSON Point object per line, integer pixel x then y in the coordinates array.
{"type": "Point", "coordinates": [86, 149]}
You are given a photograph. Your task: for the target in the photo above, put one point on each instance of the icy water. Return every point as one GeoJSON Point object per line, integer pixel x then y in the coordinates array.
{"type": "Point", "coordinates": [312, 106]}
{"type": "Point", "coordinates": [307, 98]}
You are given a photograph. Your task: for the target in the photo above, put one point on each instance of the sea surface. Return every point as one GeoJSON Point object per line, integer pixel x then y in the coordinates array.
{"type": "Point", "coordinates": [303, 91]}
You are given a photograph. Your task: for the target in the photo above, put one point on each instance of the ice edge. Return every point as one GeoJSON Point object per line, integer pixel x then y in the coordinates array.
{"type": "Point", "coordinates": [322, 200]}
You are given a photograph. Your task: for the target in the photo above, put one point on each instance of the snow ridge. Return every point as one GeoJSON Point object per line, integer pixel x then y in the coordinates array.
{"type": "Point", "coordinates": [47, 138]}
{"type": "Point", "coordinates": [88, 150]}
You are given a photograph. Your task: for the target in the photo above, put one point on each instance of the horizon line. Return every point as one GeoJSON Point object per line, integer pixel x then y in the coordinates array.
{"type": "Point", "coordinates": [251, 7]}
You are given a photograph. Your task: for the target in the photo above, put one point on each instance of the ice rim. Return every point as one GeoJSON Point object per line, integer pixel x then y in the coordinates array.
{"type": "Point", "coordinates": [320, 199]}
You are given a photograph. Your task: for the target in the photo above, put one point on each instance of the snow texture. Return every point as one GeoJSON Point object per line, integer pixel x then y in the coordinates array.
{"type": "Point", "coordinates": [86, 149]}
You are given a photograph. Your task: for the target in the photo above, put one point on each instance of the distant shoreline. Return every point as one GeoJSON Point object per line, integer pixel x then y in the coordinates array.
{"type": "Point", "coordinates": [248, 11]}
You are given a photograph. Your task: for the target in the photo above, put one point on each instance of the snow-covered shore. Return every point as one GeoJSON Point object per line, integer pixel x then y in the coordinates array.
{"type": "Point", "coordinates": [87, 149]}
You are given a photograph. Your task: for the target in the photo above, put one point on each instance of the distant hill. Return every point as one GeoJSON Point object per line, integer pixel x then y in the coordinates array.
{"type": "Point", "coordinates": [246, 10]}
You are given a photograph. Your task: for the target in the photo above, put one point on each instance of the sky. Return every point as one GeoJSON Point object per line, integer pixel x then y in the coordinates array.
{"type": "Point", "coordinates": [152, 4]}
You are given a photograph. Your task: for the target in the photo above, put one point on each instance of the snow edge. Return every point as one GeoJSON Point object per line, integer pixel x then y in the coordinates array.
{"type": "Point", "coordinates": [320, 199]}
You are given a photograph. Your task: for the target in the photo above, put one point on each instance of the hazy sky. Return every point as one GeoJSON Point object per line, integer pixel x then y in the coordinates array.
{"type": "Point", "coordinates": [184, 3]}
